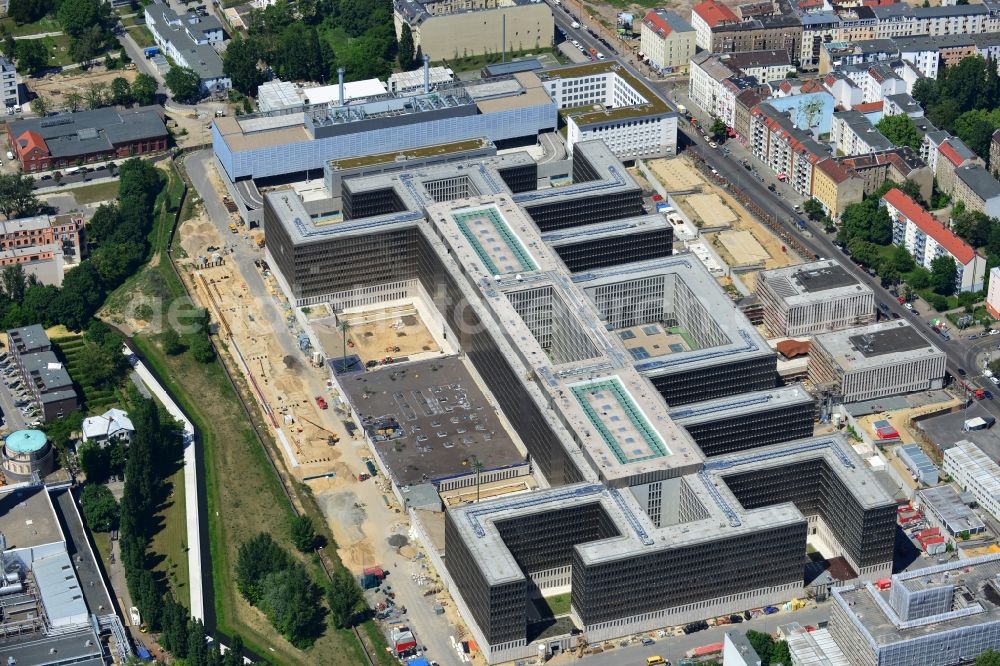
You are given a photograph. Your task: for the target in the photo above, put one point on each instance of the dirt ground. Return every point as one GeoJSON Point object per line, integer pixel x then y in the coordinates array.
{"type": "Point", "coordinates": [55, 88]}
{"type": "Point", "coordinates": [709, 209]}
{"type": "Point", "coordinates": [190, 129]}
{"type": "Point", "coordinates": [396, 331]}
{"type": "Point", "coordinates": [743, 248]}
{"type": "Point", "coordinates": [676, 174]}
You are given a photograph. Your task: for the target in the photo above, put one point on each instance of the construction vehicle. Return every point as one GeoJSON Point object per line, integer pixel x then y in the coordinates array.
{"type": "Point", "coordinates": [232, 228]}
{"type": "Point", "coordinates": [260, 242]}
{"type": "Point", "coordinates": [331, 437]}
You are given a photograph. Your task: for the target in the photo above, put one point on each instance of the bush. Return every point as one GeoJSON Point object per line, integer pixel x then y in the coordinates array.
{"type": "Point", "coordinates": [100, 508]}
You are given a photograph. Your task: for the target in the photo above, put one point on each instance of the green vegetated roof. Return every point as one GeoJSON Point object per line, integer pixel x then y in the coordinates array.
{"type": "Point", "coordinates": [413, 153]}
{"type": "Point", "coordinates": [587, 116]}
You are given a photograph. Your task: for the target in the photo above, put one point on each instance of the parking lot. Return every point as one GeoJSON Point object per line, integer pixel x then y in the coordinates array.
{"type": "Point", "coordinates": [18, 410]}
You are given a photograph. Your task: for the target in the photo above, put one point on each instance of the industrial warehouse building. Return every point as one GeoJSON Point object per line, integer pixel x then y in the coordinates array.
{"type": "Point", "coordinates": [935, 616]}
{"type": "Point", "coordinates": [974, 472]}
{"type": "Point", "coordinates": [813, 298]}
{"type": "Point", "coordinates": [875, 361]}
{"type": "Point", "coordinates": [569, 356]}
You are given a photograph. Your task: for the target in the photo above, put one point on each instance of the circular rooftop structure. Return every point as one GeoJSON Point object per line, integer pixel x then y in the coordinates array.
{"type": "Point", "coordinates": [26, 441]}
{"type": "Point", "coordinates": [26, 453]}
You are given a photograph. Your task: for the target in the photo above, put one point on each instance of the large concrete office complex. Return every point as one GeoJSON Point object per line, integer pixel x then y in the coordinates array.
{"type": "Point", "coordinates": [288, 144]}
{"type": "Point", "coordinates": [813, 298]}
{"type": "Point", "coordinates": [611, 243]}
{"type": "Point", "coordinates": [749, 420]}
{"type": "Point", "coordinates": [639, 523]}
{"type": "Point", "coordinates": [875, 361]}
{"type": "Point", "coordinates": [735, 540]}
{"type": "Point", "coordinates": [936, 616]}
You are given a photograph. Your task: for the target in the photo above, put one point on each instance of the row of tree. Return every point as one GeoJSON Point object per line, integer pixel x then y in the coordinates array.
{"type": "Point", "coordinates": [295, 38]}
{"type": "Point", "coordinates": [142, 91]}
{"type": "Point", "coordinates": [270, 578]}
{"type": "Point", "coordinates": [118, 235]}
{"type": "Point", "coordinates": [963, 100]}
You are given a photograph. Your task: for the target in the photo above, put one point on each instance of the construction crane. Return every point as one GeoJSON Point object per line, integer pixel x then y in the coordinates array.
{"type": "Point", "coordinates": [331, 437]}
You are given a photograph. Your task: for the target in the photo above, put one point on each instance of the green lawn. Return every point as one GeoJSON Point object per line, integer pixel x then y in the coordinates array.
{"type": "Point", "coordinates": [93, 193]}
{"type": "Point", "coordinates": [142, 36]}
{"type": "Point", "coordinates": [46, 24]}
{"type": "Point", "coordinates": [169, 546]}
{"type": "Point", "coordinates": [555, 605]}
{"type": "Point", "coordinates": [58, 50]}
{"type": "Point", "coordinates": [477, 62]}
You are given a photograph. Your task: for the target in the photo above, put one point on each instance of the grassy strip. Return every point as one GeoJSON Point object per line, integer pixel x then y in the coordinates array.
{"type": "Point", "coordinates": [169, 546]}
{"type": "Point", "coordinates": [89, 194]}
{"type": "Point", "coordinates": [142, 36]}
{"type": "Point", "coordinates": [41, 26]}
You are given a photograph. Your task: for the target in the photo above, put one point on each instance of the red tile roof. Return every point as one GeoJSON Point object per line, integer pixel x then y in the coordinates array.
{"type": "Point", "coordinates": [869, 107]}
{"type": "Point", "coordinates": [714, 13]}
{"type": "Point", "coordinates": [656, 22]}
{"type": "Point", "coordinates": [30, 140]}
{"type": "Point", "coordinates": [834, 170]}
{"type": "Point", "coordinates": [949, 152]}
{"type": "Point", "coordinates": [946, 238]}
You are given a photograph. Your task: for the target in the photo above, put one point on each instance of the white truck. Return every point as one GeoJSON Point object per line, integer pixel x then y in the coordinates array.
{"type": "Point", "coordinates": [575, 25]}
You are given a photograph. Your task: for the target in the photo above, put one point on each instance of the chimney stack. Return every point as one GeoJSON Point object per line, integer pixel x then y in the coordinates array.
{"type": "Point", "coordinates": [340, 76]}
{"type": "Point", "coordinates": [427, 73]}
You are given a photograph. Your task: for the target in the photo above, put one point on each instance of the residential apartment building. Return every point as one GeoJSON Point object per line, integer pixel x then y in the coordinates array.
{"type": "Point", "coordinates": [42, 245]}
{"type": "Point", "coordinates": [449, 29]}
{"type": "Point", "coordinates": [667, 40]}
{"type": "Point", "coordinates": [876, 361]}
{"type": "Point", "coordinates": [818, 28]}
{"type": "Point", "coordinates": [977, 189]}
{"type": "Point", "coordinates": [788, 151]}
{"type": "Point", "coordinates": [993, 293]}
{"type": "Point", "coordinates": [41, 373]}
{"type": "Point", "coordinates": [836, 187]}
{"type": "Point", "coordinates": [926, 239]}
{"type": "Point", "coordinates": [895, 164]}
{"type": "Point", "coordinates": [9, 82]}
{"type": "Point", "coordinates": [812, 298]}
{"type": "Point", "coordinates": [717, 78]}
{"type": "Point", "coordinates": [952, 153]}
{"type": "Point", "coordinates": [190, 41]}
{"type": "Point", "coordinates": [757, 27]}
{"type": "Point", "coordinates": [852, 133]}
{"type": "Point", "coordinates": [846, 93]}
{"type": "Point", "coordinates": [745, 103]}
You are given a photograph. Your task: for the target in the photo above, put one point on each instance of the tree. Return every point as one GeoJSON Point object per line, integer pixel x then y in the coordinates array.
{"type": "Point", "coordinates": [304, 533]}
{"type": "Point", "coordinates": [40, 106]}
{"type": "Point", "coordinates": [184, 84]}
{"type": "Point", "coordinates": [88, 44]}
{"type": "Point", "coordinates": [867, 221]}
{"type": "Point", "coordinates": [201, 348]}
{"type": "Point", "coordinates": [17, 195]}
{"type": "Point", "coordinates": [943, 275]}
{"type": "Point", "coordinates": [344, 326]}
{"type": "Point", "coordinates": [406, 49]}
{"type": "Point", "coordinates": [255, 559]}
{"type": "Point", "coordinates": [988, 658]}
{"type": "Point", "coordinates": [100, 508]}
{"type": "Point", "coordinates": [901, 259]}
{"type": "Point", "coordinates": [291, 602]}
{"type": "Point", "coordinates": [32, 55]}
{"type": "Point", "coordinates": [864, 252]}
{"type": "Point", "coordinates": [94, 461]}
{"type": "Point", "coordinates": [74, 102]}
{"type": "Point", "coordinates": [900, 130]}
{"type": "Point", "coordinates": [144, 89]}
{"type": "Point", "coordinates": [240, 65]}
{"type": "Point", "coordinates": [172, 345]}
{"type": "Point", "coordinates": [344, 598]}
{"type": "Point", "coordinates": [814, 209]}
{"type": "Point", "coordinates": [718, 129]}
{"type": "Point", "coordinates": [78, 16]}
{"type": "Point", "coordinates": [14, 281]}
{"type": "Point", "coordinates": [121, 92]}
{"type": "Point", "coordinates": [28, 11]}
{"type": "Point", "coordinates": [95, 94]}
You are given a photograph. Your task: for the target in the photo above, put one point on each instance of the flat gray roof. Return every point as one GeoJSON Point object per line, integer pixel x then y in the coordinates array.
{"type": "Point", "coordinates": [738, 405]}
{"type": "Point", "coordinates": [613, 229]}
{"type": "Point", "coordinates": [877, 345]}
{"type": "Point", "coordinates": [29, 337]}
{"type": "Point", "coordinates": [872, 611]}
{"type": "Point", "coordinates": [725, 516]}
{"type": "Point", "coordinates": [808, 283]}
{"type": "Point", "coordinates": [950, 508]}
{"type": "Point", "coordinates": [443, 414]}
{"type": "Point", "coordinates": [70, 648]}
{"type": "Point", "coordinates": [27, 518]}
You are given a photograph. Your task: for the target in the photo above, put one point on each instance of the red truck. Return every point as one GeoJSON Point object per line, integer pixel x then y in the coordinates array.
{"type": "Point", "coordinates": [321, 401]}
